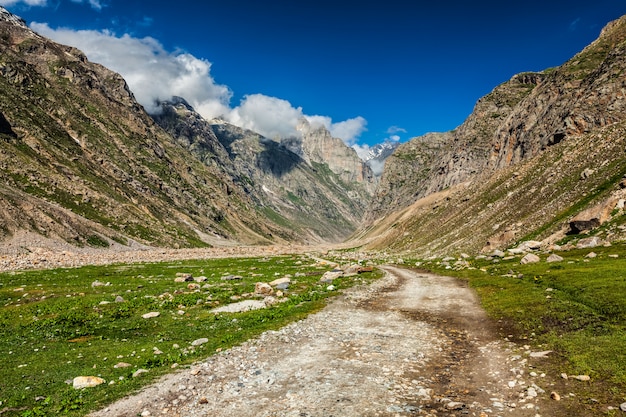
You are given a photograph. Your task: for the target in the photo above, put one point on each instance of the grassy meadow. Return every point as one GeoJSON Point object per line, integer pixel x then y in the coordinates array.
{"type": "Point", "coordinates": [59, 324]}
{"type": "Point", "coordinates": [576, 308]}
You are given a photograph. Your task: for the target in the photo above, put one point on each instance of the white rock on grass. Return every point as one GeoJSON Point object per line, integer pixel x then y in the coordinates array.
{"type": "Point", "coordinates": [529, 259]}
{"type": "Point", "coordinates": [81, 382]}
{"type": "Point", "coordinates": [263, 288]}
{"type": "Point", "coordinates": [554, 258]}
{"type": "Point", "coordinates": [330, 276]}
{"type": "Point", "coordinates": [280, 281]}
{"type": "Point", "coordinates": [151, 315]}
{"type": "Point", "coordinates": [199, 342]}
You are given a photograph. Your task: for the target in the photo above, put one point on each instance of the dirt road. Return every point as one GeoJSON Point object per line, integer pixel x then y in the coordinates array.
{"type": "Point", "coordinates": [411, 344]}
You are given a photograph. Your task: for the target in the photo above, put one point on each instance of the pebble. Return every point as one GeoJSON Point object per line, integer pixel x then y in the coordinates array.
{"type": "Point", "coordinates": [151, 315]}
{"type": "Point", "coordinates": [622, 407]}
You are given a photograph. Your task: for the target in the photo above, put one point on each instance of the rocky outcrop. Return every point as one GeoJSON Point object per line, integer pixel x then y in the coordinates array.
{"type": "Point", "coordinates": [436, 161]}
{"type": "Point", "coordinates": [318, 146]}
{"type": "Point", "coordinates": [406, 173]}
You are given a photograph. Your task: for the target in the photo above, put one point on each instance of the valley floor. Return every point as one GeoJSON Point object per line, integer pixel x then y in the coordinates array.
{"type": "Point", "coordinates": [410, 344]}
{"type": "Point", "coordinates": [30, 251]}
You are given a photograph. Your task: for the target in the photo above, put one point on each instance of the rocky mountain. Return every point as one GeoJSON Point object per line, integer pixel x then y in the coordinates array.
{"type": "Point", "coordinates": [82, 162]}
{"type": "Point", "coordinates": [540, 157]}
{"type": "Point", "coordinates": [514, 168]}
{"type": "Point", "coordinates": [320, 192]}
{"type": "Point", "coordinates": [435, 161]}
{"type": "Point", "coordinates": [318, 146]}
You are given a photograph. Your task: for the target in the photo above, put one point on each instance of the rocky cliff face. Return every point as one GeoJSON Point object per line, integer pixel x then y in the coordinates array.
{"type": "Point", "coordinates": [527, 142]}
{"type": "Point", "coordinates": [584, 94]}
{"type": "Point", "coordinates": [80, 160]}
{"type": "Point", "coordinates": [435, 161]}
{"type": "Point", "coordinates": [517, 120]}
{"type": "Point", "coordinates": [317, 145]}
{"type": "Point", "coordinates": [314, 201]}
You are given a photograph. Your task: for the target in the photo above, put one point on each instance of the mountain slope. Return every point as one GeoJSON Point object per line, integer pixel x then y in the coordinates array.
{"type": "Point", "coordinates": [308, 197]}
{"type": "Point", "coordinates": [513, 168]}
{"type": "Point", "coordinates": [81, 161]}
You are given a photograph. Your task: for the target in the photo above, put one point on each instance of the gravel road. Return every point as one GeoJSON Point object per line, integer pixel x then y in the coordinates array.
{"type": "Point", "coordinates": [410, 344]}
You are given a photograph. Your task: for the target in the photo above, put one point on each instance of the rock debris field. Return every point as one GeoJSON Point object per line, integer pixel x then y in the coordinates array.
{"type": "Point", "coordinates": [410, 344]}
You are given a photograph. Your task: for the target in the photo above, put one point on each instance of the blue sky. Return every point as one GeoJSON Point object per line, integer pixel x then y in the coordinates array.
{"type": "Point", "coordinates": [367, 70]}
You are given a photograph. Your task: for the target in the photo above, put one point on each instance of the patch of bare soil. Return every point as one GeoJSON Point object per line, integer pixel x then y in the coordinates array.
{"type": "Point", "coordinates": [410, 344]}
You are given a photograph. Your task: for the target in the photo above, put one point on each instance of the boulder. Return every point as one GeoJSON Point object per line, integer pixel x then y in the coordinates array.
{"type": "Point", "coordinates": [122, 365]}
{"type": "Point", "coordinates": [263, 288]}
{"type": "Point", "coordinates": [554, 258]}
{"type": "Point", "coordinates": [139, 372]}
{"type": "Point", "coordinates": [81, 382]}
{"type": "Point", "coordinates": [351, 270]}
{"type": "Point", "coordinates": [330, 276]}
{"type": "Point", "coordinates": [231, 278]}
{"type": "Point", "coordinates": [579, 226]}
{"type": "Point", "coordinates": [589, 242]}
{"type": "Point", "coordinates": [593, 217]}
{"type": "Point", "coordinates": [200, 341]}
{"type": "Point", "coordinates": [281, 282]}
{"type": "Point", "coordinates": [183, 277]}
{"type": "Point", "coordinates": [529, 259]}
{"type": "Point", "coordinates": [529, 245]}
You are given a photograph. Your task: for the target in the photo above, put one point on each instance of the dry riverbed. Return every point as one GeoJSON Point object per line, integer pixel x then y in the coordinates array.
{"type": "Point", "coordinates": [410, 344]}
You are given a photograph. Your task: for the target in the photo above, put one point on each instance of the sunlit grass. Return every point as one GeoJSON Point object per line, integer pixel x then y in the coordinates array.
{"type": "Point", "coordinates": [576, 307]}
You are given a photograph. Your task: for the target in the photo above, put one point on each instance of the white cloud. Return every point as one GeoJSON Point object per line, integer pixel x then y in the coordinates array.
{"type": "Point", "coordinates": [377, 166]}
{"type": "Point", "coordinates": [362, 151]}
{"type": "Point", "coordinates": [349, 130]}
{"type": "Point", "coordinates": [319, 121]}
{"type": "Point", "coordinates": [96, 4]}
{"type": "Point", "coordinates": [270, 116]}
{"type": "Point", "coordinates": [27, 2]}
{"type": "Point", "coordinates": [395, 129]}
{"type": "Point", "coordinates": [151, 72]}
{"type": "Point", "coordinates": [154, 74]}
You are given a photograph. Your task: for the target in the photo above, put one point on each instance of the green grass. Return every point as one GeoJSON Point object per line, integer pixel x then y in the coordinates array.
{"type": "Point", "coordinates": [576, 307]}
{"type": "Point", "coordinates": [55, 325]}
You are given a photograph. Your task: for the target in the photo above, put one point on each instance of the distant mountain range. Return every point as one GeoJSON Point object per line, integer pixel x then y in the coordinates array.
{"type": "Point", "coordinates": [81, 162]}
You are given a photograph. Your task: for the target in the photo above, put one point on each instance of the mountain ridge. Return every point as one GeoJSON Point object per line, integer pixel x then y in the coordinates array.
{"type": "Point", "coordinates": [82, 162]}
{"type": "Point", "coordinates": [516, 126]}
